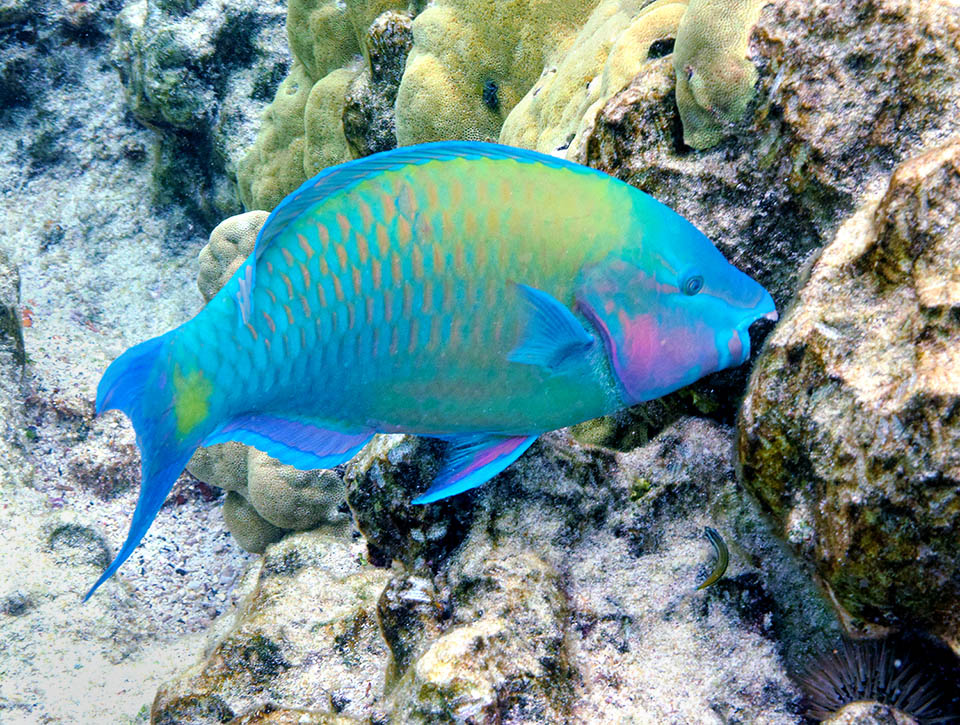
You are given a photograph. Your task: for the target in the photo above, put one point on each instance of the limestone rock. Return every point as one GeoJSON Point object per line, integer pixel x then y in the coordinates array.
{"type": "Point", "coordinates": [850, 434]}
{"type": "Point", "coordinates": [305, 639]}
{"type": "Point", "coordinates": [382, 480]}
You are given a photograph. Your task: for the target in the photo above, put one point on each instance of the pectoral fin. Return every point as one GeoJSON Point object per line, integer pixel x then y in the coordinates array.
{"type": "Point", "coordinates": [473, 460]}
{"type": "Point", "coordinates": [553, 337]}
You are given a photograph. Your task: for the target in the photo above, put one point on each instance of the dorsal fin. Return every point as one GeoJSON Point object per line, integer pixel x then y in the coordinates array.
{"type": "Point", "coordinates": [339, 177]}
{"type": "Point", "coordinates": [334, 179]}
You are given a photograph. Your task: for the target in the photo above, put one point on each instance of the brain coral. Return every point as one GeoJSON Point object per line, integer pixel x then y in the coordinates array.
{"type": "Point", "coordinates": [464, 48]}
{"type": "Point", "coordinates": [610, 49]}
{"type": "Point", "coordinates": [715, 81]}
{"type": "Point", "coordinates": [302, 129]}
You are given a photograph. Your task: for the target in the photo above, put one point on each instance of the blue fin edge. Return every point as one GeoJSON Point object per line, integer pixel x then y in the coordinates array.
{"type": "Point", "coordinates": [308, 446]}
{"type": "Point", "coordinates": [465, 449]}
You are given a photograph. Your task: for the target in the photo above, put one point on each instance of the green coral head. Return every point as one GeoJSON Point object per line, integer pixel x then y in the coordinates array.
{"type": "Point", "coordinates": [715, 80]}
{"type": "Point", "coordinates": [724, 86]}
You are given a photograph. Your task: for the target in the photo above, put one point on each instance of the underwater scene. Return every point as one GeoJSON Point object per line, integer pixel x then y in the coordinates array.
{"type": "Point", "coordinates": [479, 361]}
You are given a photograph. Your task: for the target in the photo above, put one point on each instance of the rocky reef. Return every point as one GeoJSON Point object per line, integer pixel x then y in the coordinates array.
{"type": "Point", "coordinates": [814, 141]}
{"type": "Point", "coordinates": [850, 433]}
{"type": "Point", "coordinates": [563, 591]}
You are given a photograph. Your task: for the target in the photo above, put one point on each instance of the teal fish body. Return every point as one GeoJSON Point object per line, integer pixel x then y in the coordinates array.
{"type": "Point", "coordinates": [472, 292]}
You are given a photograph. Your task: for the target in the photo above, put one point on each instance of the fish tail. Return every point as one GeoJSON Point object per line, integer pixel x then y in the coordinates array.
{"type": "Point", "coordinates": [169, 410]}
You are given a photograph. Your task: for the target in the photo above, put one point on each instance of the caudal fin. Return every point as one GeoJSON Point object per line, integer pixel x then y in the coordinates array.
{"type": "Point", "coordinates": [144, 383]}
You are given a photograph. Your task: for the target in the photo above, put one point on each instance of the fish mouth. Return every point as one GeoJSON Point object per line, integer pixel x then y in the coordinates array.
{"type": "Point", "coordinates": [758, 323]}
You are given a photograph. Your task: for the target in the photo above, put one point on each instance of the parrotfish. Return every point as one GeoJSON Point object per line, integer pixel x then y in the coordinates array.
{"type": "Point", "coordinates": [471, 292]}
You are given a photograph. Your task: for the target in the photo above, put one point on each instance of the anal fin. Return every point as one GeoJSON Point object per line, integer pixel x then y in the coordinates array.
{"type": "Point", "coordinates": [294, 440]}
{"type": "Point", "coordinates": [472, 461]}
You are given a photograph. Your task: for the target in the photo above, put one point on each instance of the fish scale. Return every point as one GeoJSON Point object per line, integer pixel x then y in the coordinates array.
{"type": "Point", "coordinates": [468, 291]}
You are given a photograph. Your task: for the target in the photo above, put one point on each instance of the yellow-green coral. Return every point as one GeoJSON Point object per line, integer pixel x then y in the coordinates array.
{"type": "Point", "coordinates": [302, 130]}
{"type": "Point", "coordinates": [290, 498]}
{"type": "Point", "coordinates": [461, 46]}
{"type": "Point", "coordinates": [324, 142]}
{"type": "Point", "coordinates": [605, 55]}
{"type": "Point", "coordinates": [253, 532]}
{"type": "Point", "coordinates": [274, 165]}
{"type": "Point", "coordinates": [715, 80]}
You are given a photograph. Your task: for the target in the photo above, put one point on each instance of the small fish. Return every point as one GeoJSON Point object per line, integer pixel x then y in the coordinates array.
{"type": "Point", "coordinates": [472, 292]}
{"type": "Point", "coordinates": [723, 557]}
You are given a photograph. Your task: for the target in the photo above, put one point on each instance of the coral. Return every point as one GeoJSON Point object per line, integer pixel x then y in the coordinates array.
{"type": "Point", "coordinates": [715, 80]}
{"type": "Point", "coordinates": [249, 528]}
{"type": "Point", "coordinates": [324, 141]}
{"type": "Point", "coordinates": [231, 242]}
{"type": "Point", "coordinates": [302, 129]}
{"type": "Point", "coordinates": [292, 499]}
{"type": "Point", "coordinates": [849, 433]}
{"type": "Point", "coordinates": [609, 50]}
{"type": "Point", "coordinates": [461, 47]}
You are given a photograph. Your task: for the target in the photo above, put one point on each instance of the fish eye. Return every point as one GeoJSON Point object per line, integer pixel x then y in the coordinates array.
{"type": "Point", "coordinates": [691, 284]}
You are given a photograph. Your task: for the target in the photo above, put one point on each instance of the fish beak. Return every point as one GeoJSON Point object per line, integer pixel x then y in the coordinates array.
{"type": "Point", "coordinates": [773, 316]}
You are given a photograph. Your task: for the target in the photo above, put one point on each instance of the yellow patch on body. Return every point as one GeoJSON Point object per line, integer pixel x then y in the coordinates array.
{"type": "Point", "coordinates": [192, 395]}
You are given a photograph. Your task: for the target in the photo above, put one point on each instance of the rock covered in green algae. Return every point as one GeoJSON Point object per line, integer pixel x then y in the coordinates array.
{"type": "Point", "coordinates": [850, 434]}
{"type": "Point", "coordinates": [305, 638]}
{"type": "Point", "coordinates": [200, 72]}
{"type": "Point", "coordinates": [368, 116]}
{"type": "Point", "coordinates": [570, 596]}
{"type": "Point", "coordinates": [381, 482]}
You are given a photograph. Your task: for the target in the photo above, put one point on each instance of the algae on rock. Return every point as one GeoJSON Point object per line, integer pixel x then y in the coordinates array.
{"type": "Point", "coordinates": [850, 435]}
{"type": "Point", "coordinates": [199, 73]}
